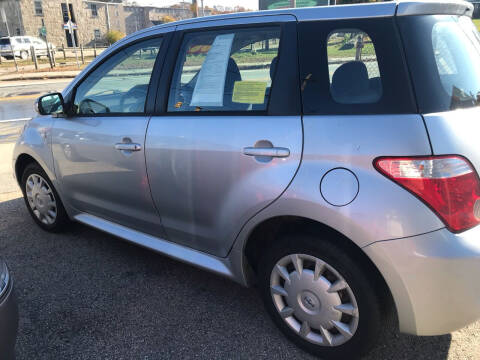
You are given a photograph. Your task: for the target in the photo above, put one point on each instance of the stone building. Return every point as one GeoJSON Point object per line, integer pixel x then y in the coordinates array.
{"type": "Point", "coordinates": [140, 17]}
{"type": "Point", "coordinates": [93, 19]}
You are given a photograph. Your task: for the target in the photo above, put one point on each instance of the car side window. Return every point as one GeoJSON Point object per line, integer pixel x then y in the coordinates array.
{"type": "Point", "coordinates": [353, 68]}
{"type": "Point", "coordinates": [225, 70]}
{"type": "Point", "coordinates": [120, 84]}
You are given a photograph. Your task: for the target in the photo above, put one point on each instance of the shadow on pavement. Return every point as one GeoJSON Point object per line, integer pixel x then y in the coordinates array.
{"type": "Point", "coordinates": [84, 294]}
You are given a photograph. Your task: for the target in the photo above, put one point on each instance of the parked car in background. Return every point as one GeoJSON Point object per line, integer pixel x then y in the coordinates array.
{"type": "Point", "coordinates": [22, 46]}
{"type": "Point", "coordinates": [8, 314]}
{"type": "Point", "coordinates": [328, 155]}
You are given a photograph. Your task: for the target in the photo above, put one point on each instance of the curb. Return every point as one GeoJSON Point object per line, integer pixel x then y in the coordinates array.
{"type": "Point", "coordinates": [40, 78]}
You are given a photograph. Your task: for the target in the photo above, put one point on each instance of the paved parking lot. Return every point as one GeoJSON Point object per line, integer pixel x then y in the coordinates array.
{"type": "Point", "coordinates": [86, 295]}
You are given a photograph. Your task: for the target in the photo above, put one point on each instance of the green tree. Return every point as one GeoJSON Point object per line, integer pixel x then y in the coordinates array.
{"type": "Point", "coordinates": [167, 19]}
{"type": "Point", "coordinates": [113, 36]}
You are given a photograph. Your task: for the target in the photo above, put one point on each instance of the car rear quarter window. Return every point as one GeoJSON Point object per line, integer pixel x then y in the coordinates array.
{"type": "Point", "coordinates": [226, 70]}
{"type": "Point", "coordinates": [353, 68]}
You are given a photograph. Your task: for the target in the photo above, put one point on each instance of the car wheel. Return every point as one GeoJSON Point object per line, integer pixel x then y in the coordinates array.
{"type": "Point", "coordinates": [319, 297]}
{"type": "Point", "coordinates": [24, 55]}
{"type": "Point", "coordinates": [42, 200]}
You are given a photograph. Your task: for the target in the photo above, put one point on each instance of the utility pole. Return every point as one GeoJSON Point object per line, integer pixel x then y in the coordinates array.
{"type": "Point", "coordinates": [4, 18]}
{"type": "Point", "coordinates": [107, 16]}
{"type": "Point", "coordinates": [195, 8]}
{"type": "Point", "coordinates": [72, 35]}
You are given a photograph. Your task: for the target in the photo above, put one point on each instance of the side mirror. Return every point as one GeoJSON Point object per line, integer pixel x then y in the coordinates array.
{"type": "Point", "coordinates": [50, 104]}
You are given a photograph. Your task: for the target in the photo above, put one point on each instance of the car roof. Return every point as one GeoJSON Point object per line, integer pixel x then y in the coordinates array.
{"type": "Point", "coordinates": [338, 12]}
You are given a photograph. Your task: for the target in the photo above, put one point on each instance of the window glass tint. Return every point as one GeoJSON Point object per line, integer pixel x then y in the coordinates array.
{"type": "Point", "coordinates": [443, 53]}
{"type": "Point", "coordinates": [225, 70]}
{"type": "Point", "coordinates": [456, 49]}
{"type": "Point", "coordinates": [353, 68]}
{"type": "Point", "coordinates": [120, 84]}
{"type": "Point", "coordinates": [4, 41]}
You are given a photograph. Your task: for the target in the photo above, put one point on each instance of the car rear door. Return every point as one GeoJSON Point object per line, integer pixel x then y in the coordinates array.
{"type": "Point", "coordinates": [226, 140]}
{"type": "Point", "coordinates": [99, 151]}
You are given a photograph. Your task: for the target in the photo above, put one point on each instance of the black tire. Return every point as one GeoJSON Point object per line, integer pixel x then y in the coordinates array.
{"type": "Point", "coordinates": [61, 218]}
{"type": "Point", "coordinates": [368, 301]}
{"type": "Point", "coordinates": [24, 55]}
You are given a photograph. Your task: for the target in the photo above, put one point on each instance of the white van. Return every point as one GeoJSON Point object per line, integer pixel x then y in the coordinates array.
{"type": "Point", "coordinates": [22, 45]}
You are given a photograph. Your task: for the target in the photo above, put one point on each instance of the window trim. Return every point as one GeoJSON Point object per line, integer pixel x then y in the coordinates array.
{"type": "Point", "coordinates": [92, 7]}
{"type": "Point", "coordinates": [288, 34]}
{"type": "Point", "coordinates": [212, 29]}
{"type": "Point", "coordinates": [151, 92]}
{"type": "Point", "coordinates": [35, 8]}
{"type": "Point", "coordinates": [316, 97]}
{"type": "Point", "coordinates": [351, 30]}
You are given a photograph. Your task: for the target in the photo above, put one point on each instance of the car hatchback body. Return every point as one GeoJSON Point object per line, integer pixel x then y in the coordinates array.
{"type": "Point", "coordinates": [326, 155]}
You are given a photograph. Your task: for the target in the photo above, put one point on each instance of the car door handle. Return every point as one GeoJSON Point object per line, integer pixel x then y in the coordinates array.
{"type": "Point", "coordinates": [128, 146]}
{"type": "Point", "coordinates": [267, 151]}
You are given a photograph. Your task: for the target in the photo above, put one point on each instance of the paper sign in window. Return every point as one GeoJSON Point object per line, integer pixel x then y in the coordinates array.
{"type": "Point", "coordinates": [249, 92]}
{"type": "Point", "coordinates": [211, 78]}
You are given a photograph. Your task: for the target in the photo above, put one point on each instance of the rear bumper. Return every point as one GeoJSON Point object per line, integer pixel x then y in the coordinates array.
{"type": "Point", "coordinates": [8, 324]}
{"type": "Point", "coordinates": [434, 279]}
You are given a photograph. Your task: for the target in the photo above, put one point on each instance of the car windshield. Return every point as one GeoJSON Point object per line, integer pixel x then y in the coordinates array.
{"type": "Point", "coordinates": [5, 41]}
{"type": "Point", "coordinates": [444, 56]}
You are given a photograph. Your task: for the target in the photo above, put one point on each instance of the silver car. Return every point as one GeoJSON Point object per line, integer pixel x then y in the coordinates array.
{"type": "Point", "coordinates": [8, 314]}
{"type": "Point", "coordinates": [326, 155]}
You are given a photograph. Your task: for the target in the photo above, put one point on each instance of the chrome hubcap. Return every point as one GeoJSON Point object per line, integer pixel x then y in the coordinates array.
{"type": "Point", "coordinates": [41, 199]}
{"type": "Point", "coordinates": [314, 300]}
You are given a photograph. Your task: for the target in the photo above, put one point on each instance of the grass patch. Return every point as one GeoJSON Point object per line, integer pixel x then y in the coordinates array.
{"type": "Point", "coordinates": [336, 51]}
{"type": "Point", "coordinates": [42, 61]}
{"type": "Point", "coordinates": [240, 57]}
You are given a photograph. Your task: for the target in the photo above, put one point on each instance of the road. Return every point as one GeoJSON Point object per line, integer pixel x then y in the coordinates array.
{"type": "Point", "coordinates": [16, 99]}
{"type": "Point", "coordinates": [87, 295]}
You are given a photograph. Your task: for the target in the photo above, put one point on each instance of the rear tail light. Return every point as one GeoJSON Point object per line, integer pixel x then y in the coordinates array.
{"type": "Point", "coordinates": [449, 185]}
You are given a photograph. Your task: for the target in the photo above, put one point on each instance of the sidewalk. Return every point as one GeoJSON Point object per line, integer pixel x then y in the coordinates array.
{"type": "Point", "coordinates": [41, 75]}
{"type": "Point", "coordinates": [8, 186]}
{"type": "Point", "coordinates": [63, 70]}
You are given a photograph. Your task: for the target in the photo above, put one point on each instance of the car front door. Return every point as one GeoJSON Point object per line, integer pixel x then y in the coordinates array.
{"type": "Point", "coordinates": [99, 151]}
{"type": "Point", "coordinates": [229, 140]}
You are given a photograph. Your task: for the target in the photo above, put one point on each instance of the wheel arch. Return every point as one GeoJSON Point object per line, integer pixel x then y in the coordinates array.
{"type": "Point", "coordinates": [23, 160]}
{"type": "Point", "coordinates": [264, 234]}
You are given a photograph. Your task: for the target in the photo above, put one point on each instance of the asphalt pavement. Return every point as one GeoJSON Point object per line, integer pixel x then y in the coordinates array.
{"type": "Point", "coordinates": [17, 98]}
{"type": "Point", "coordinates": [87, 295]}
